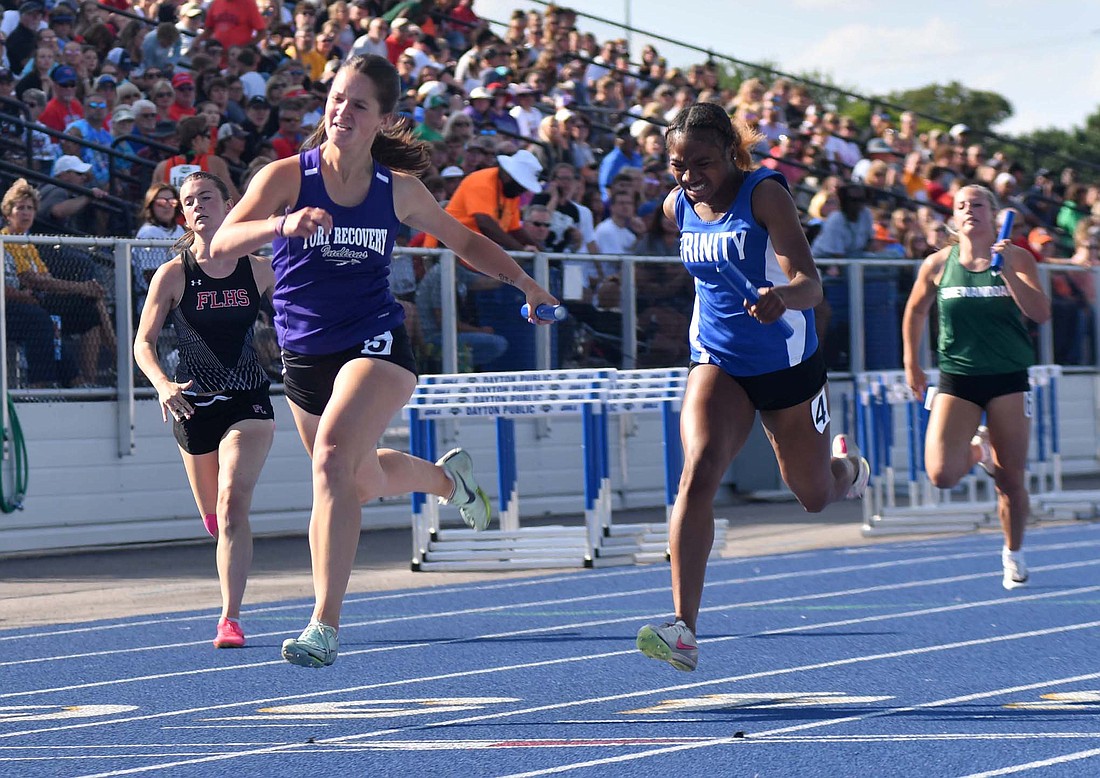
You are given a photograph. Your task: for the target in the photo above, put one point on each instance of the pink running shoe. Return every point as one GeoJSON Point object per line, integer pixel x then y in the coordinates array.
{"type": "Point", "coordinates": [230, 635]}
{"type": "Point", "coordinates": [210, 521]}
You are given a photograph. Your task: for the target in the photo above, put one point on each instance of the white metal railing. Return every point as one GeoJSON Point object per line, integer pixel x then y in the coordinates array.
{"type": "Point", "coordinates": [855, 272]}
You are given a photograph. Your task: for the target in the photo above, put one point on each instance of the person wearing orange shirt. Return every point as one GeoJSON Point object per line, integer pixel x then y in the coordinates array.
{"type": "Point", "coordinates": [488, 200]}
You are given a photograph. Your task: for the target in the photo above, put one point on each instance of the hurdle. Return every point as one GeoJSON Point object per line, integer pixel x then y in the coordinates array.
{"type": "Point", "coordinates": [891, 424]}
{"type": "Point", "coordinates": [504, 397]}
{"type": "Point", "coordinates": [593, 397]}
{"type": "Point", "coordinates": [660, 391]}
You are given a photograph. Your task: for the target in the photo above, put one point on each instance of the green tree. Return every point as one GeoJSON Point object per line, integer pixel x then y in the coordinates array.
{"type": "Point", "coordinates": [954, 103]}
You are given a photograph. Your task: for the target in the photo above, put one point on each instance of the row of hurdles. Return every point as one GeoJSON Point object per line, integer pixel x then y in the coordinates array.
{"type": "Point", "coordinates": [890, 426]}
{"type": "Point", "coordinates": [591, 397]}
{"type": "Point", "coordinates": [888, 421]}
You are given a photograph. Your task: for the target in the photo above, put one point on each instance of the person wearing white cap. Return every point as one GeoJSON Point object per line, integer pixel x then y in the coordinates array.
{"type": "Point", "coordinates": [488, 200]}
{"type": "Point", "coordinates": [332, 215]}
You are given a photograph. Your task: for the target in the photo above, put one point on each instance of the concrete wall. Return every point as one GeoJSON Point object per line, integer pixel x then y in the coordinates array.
{"type": "Point", "coordinates": [82, 494]}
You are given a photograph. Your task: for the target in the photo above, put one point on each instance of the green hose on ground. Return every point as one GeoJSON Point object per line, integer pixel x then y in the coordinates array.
{"type": "Point", "coordinates": [17, 455]}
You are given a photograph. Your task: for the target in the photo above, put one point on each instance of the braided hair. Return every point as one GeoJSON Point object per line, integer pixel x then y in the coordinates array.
{"type": "Point", "coordinates": [730, 134]}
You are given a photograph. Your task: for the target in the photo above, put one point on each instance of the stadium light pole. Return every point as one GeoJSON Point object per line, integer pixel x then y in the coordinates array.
{"type": "Point", "coordinates": [629, 24]}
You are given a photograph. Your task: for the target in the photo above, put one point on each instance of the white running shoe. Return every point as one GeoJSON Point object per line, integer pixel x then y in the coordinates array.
{"type": "Point", "coordinates": [317, 646]}
{"type": "Point", "coordinates": [981, 438]}
{"type": "Point", "coordinates": [673, 643]}
{"type": "Point", "coordinates": [845, 448]}
{"type": "Point", "coordinates": [468, 497]}
{"type": "Point", "coordinates": [1015, 571]}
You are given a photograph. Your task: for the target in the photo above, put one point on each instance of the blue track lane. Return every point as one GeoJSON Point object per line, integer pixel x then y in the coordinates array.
{"type": "Point", "coordinates": [902, 659]}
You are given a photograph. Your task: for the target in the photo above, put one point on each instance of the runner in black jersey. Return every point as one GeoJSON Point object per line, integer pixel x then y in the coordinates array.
{"type": "Point", "coordinates": [218, 398]}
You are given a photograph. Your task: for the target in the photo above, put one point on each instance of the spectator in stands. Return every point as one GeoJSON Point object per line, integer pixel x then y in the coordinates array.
{"type": "Point", "coordinates": [553, 146]}
{"type": "Point", "coordinates": [488, 200]}
{"type": "Point", "coordinates": [22, 41]}
{"type": "Point", "coordinates": [479, 153]}
{"type": "Point", "coordinates": [63, 108]}
{"type": "Point", "coordinates": [190, 27]}
{"type": "Point", "coordinates": [619, 233]}
{"type": "Point", "coordinates": [478, 107]}
{"type": "Point", "coordinates": [45, 57]}
{"type": "Point", "coordinates": [234, 22]}
{"type": "Point", "coordinates": [847, 232]}
{"type": "Point", "coordinates": [230, 146]}
{"type": "Point", "coordinates": [625, 154]}
{"type": "Point", "coordinates": [183, 96]}
{"type": "Point", "coordinates": [44, 150]}
{"type": "Point", "coordinates": [80, 304]}
{"type": "Point", "coordinates": [583, 157]}
{"type": "Point", "coordinates": [374, 40]}
{"type": "Point", "coordinates": [431, 127]}
{"type": "Point", "coordinates": [163, 96]}
{"type": "Point", "coordinates": [218, 396]}
{"type": "Point", "coordinates": [527, 116]}
{"type": "Point", "coordinates": [160, 217]}
{"type": "Point", "coordinates": [65, 207]}
{"type": "Point", "coordinates": [481, 343]}
{"type": "Point", "coordinates": [975, 377]}
{"type": "Point", "coordinates": [257, 113]}
{"type": "Point", "coordinates": [289, 138]}
{"type": "Point", "coordinates": [93, 127]}
{"type": "Point", "coordinates": [28, 322]}
{"type": "Point", "coordinates": [162, 48]}
{"type": "Point", "coordinates": [572, 227]}
{"type": "Point", "coordinates": [194, 155]}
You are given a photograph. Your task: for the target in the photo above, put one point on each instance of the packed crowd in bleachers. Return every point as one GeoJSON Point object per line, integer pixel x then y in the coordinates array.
{"type": "Point", "coordinates": [106, 107]}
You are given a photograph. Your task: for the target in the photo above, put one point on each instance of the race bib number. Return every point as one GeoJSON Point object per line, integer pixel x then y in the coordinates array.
{"type": "Point", "coordinates": [179, 172]}
{"type": "Point", "coordinates": [819, 407]}
{"type": "Point", "coordinates": [379, 345]}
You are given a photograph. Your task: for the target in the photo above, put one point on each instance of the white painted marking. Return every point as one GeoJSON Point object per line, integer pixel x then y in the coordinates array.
{"type": "Point", "coordinates": [20, 713]}
{"type": "Point", "coordinates": [750, 700]}
{"type": "Point", "coordinates": [1020, 768]}
{"type": "Point", "coordinates": [731, 679]}
{"type": "Point", "coordinates": [604, 622]}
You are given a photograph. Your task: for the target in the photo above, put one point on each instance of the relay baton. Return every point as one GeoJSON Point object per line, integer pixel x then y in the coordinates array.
{"type": "Point", "coordinates": [735, 278]}
{"type": "Point", "coordinates": [997, 262]}
{"type": "Point", "coordinates": [545, 312]}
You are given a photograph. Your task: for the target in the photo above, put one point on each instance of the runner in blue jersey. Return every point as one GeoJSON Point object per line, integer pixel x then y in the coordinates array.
{"type": "Point", "coordinates": [741, 364]}
{"type": "Point", "coordinates": [217, 399]}
{"type": "Point", "coordinates": [331, 214]}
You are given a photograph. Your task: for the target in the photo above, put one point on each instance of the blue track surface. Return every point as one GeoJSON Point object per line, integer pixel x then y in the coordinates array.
{"type": "Point", "coordinates": [903, 659]}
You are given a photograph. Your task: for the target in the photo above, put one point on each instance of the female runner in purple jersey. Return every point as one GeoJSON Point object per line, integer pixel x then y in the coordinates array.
{"type": "Point", "coordinates": [344, 394]}
{"type": "Point", "coordinates": [218, 400]}
{"type": "Point", "coordinates": [729, 381]}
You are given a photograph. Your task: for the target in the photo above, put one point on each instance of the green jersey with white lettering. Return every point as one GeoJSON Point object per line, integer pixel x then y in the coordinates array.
{"type": "Point", "coordinates": [982, 330]}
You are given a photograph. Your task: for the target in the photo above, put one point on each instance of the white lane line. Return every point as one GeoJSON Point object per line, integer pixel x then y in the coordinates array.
{"type": "Point", "coordinates": [712, 566]}
{"type": "Point", "coordinates": [551, 662]}
{"type": "Point", "coordinates": [602, 596]}
{"type": "Point", "coordinates": [607, 622]}
{"type": "Point", "coordinates": [849, 661]}
{"type": "Point", "coordinates": [832, 722]}
{"type": "Point", "coordinates": [1063, 759]}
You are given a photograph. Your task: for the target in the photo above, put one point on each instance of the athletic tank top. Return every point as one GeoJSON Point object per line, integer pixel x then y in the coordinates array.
{"type": "Point", "coordinates": [982, 330]}
{"type": "Point", "coordinates": [213, 322]}
{"type": "Point", "coordinates": [332, 289]}
{"type": "Point", "coordinates": [722, 332]}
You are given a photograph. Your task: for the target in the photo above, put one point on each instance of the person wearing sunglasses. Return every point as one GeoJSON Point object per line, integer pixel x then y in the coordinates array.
{"type": "Point", "coordinates": [93, 127]}
{"type": "Point", "coordinates": [161, 216]}
{"type": "Point", "coordinates": [63, 108]}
